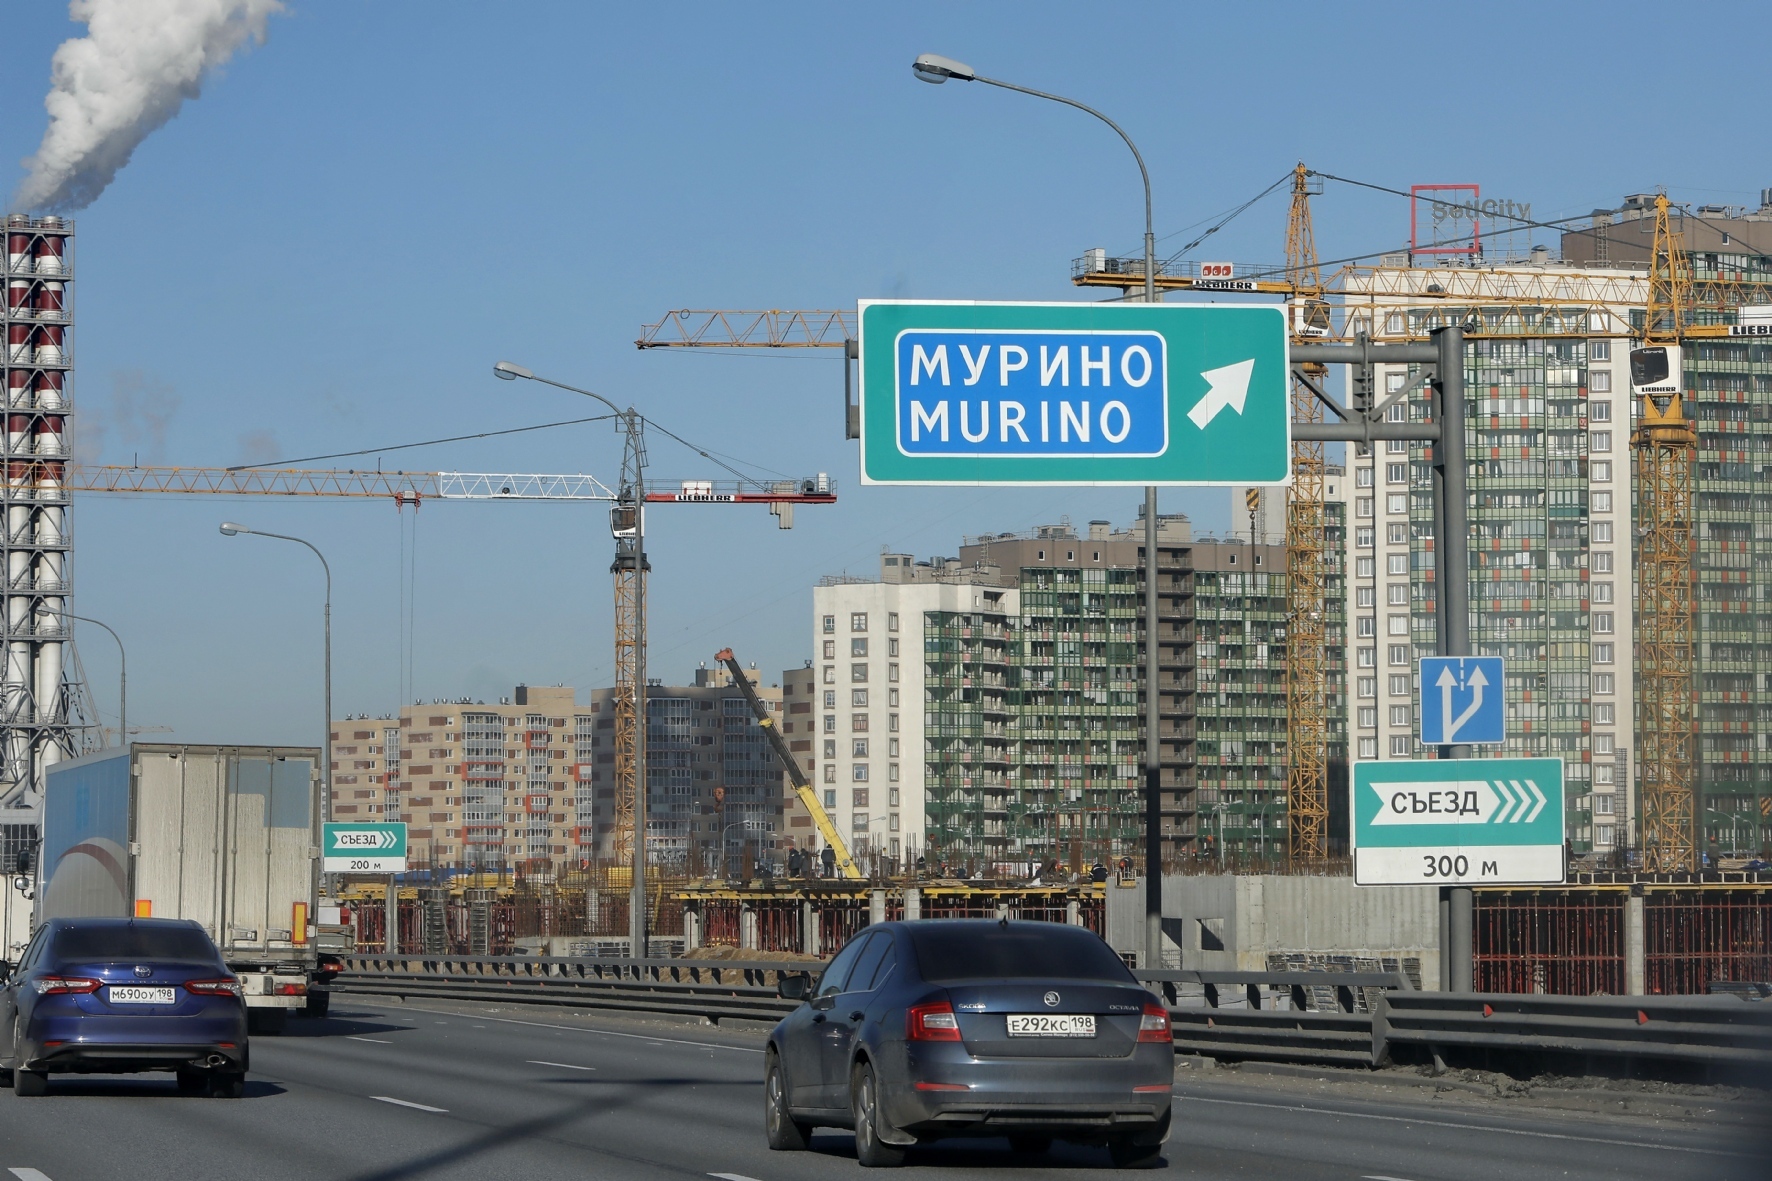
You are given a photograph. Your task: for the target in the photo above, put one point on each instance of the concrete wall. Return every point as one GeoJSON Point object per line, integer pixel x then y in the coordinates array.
{"type": "Point", "coordinates": [1232, 923]}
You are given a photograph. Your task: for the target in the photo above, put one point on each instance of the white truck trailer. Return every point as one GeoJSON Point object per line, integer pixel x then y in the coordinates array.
{"type": "Point", "coordinates": [227, 836]}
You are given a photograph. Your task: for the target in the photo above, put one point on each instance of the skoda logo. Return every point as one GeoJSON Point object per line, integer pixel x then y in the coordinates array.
{"type": "Point", "coordinates": [143, 971]}
{"type": "Point", "coordinates": [1051, 1000]}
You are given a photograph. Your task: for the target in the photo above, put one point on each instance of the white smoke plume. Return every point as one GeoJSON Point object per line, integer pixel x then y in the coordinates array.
{"type": "Point", "coordinates": [111, 89]}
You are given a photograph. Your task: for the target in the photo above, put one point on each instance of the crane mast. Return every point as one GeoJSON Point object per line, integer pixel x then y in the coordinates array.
{"type": "Point", "coordinates": [1665, 446]}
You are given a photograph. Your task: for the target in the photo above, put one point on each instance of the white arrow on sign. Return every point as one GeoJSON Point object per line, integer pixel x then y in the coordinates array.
{"type": "Point", "coordinates": [1451, 725]}
{"type": "Point", "coordinates": [1227, 385]}
{"type": "Point", "coordinates": [1461, 801]}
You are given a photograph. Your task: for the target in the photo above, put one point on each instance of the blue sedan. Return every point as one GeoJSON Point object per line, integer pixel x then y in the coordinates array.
{"type": "Point", "coordinates": [114, 996]}
{"type": "Point", "coordinates": [957, 1027]}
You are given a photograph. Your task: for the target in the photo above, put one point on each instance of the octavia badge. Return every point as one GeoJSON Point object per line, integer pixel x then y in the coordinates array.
{"type": "Point", "coordinates": [143, 971]}
{"type": "Point", "coordinates": [1051, 1000]}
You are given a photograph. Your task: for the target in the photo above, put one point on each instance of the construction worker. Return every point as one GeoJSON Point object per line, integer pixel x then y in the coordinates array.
{"type": "Point", "coordinates": [828, 857]}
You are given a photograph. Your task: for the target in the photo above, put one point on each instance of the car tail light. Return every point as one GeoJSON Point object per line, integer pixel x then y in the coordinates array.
{"type": "Point", "coordinates": [944, 1086]}
{"type": "Point", "coordinates": [292, 990]}
{"type": "Point", "coordinates": [49, 984]}
{"type": "Point", "coordinates": [1154, 1025]}
{"type": "Point", "coordinates": [221, 986]}
{"type": "Point", "coordinates": [933, 1022]}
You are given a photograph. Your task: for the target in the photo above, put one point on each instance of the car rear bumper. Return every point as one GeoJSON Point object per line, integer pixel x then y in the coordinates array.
{"type": "Point", "coordinates": [1059, 1097]}
{"type": "Point", "coordinates": [129, 1057]}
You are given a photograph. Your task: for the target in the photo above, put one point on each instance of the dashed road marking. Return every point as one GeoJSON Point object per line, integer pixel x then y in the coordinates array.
{"type": "Point", "coordinates": [409, 1103]}
{"type": "Point", "coordinates": [378, 1041]}
{"type": "Point", "coordinates": [29, 1174]}
{"type": "Point", "coordinates": [732, 1177]}
{"type": "Point", "coordinates": [561, 1065]}
{"type": "Point", "coordinates": [643, 1037]}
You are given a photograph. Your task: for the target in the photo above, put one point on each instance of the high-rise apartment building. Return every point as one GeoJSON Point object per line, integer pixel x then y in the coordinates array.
{"type": "Point", "coordinates": [531, 779]}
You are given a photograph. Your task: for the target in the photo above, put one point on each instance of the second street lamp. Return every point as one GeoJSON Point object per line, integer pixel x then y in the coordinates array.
{"type": "Point", "coordinates": [936, 69]}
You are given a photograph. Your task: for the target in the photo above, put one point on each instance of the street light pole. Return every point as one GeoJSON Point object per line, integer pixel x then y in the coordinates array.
{"type": "Point", "coordinates": [122, 680]}
{"type": "Point", "coordinates": [633, 493]}
{"type": "Point", "coordinates": [935, 69]}
{"type": "Point", "coordinates": [229, 529]}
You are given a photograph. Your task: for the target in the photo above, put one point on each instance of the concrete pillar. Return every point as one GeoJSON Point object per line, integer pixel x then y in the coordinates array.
{"type": "Point", "coordinates": [691, 926]}
{"type": "Point", "coordinates": [1073, 913]}
{"type": "Point", "coordinates": [809, 928]}
{"type": "Point", "coordinates": [747, 928]}
{"type": "Point", "coordinates": [593, 907]}
{"type": "Point", "coordinates": [1636, 972]}
{"type": "Point", "coordinates": [876, 906]}
{"type": "Point", "coordinates": [913, 904]}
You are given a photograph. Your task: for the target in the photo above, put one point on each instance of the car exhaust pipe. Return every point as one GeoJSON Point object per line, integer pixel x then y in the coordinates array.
{"type": "Point", "coordinates": [215, 1061]}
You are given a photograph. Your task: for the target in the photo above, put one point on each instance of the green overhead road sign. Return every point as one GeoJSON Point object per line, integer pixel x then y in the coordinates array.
{"type": "Point", "coordinates": [1443, 822]}
{"type": "Point", "coordinates": [363, 848]}
{"type": "Point", "coordinates": [1074, 393]}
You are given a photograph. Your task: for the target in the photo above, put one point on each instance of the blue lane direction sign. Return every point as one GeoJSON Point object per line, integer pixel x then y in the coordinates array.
{"type": "Point", "coordinates": [1085, 394]}
{"type": "Point", "coordinates": [1463, 700]}
{"type": "Point", "coordinates": [1457, 821]}
{"type": "Point", "coordinates": [369, 847]}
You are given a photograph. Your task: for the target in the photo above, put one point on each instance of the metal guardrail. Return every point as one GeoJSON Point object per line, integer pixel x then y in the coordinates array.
{"type": "Point", "coordinates": [1345, 1018]}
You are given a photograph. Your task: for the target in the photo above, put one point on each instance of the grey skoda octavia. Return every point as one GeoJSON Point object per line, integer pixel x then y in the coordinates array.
{"type": "Point", "coordinates": [960, 1027]}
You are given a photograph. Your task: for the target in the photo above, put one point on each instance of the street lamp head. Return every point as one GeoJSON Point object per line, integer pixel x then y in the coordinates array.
{"type": "Point", "coordinates": [507, 371]}
{"type": "Point", "coordinates": [936, 69]}
{"type": "Point", "coordinates": [228, 529]}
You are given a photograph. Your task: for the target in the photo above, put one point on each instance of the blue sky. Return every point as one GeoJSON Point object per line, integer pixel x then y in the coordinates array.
{"type": "Point", "coordinates": [330, 248]}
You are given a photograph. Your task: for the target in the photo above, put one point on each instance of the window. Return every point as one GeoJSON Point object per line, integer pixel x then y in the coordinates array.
{"type": "Point", "coordinates": [892, 673]}
{"type": "Point", "coordinates": [892, 777]}
{"type": "Point", "coordinates": [1368, 717]}
{"type": "Point", "coordinates": [892, 700]}
{"type": "Point", "coordinates": [1601, 592]}
{"type": "Point", "coordinates": [1602, 563]}
{"type": "Point", "coordinates": [892, 647]}
{"type": "Point", "coordinates": [1604, 713]}
{"type": "Point", "coordinates": [1363, 536]}
{"type": "Point", "coordinates": [830, 748]}
{"type": "Point", "coordinates": [1363, 506]}
{"type": "Point", "coordinates": [859, 748]}
{"type": "Point", "coordinates": [1396, 502]}
{"type": "Point", "coordinates": [1397, 534]}
{"type": "Point", "coordinates": [1599, 350]}
{"type": "Point", "coordinates": [1602, 653]}
{"type": "Point", "coordinates": [858, 621]}
{"type": "Point", "coordinates": [830, 649]}
{"type": "Point", "coordinates": [1400, 715]}
{"type": "Point", "coordinates": [1363, 477]}
{"type": "Point", "coordinates": [830, 776]}
{"type": "Point", "coordinates": [1399, 686]}
{"type": "Point", "coordinates": [1396, 446]}
{"type": "Point", "coordinates": [1396, 473]}
{"type": "Point", "coordinates": [891, 621]}
{"type": "Point", "coordinates": [892, 797]}
{"type": "Point", "coordinates": [1363, 567]}
{"type": "Point", "coordinates": [892, 747]}
{"type": "Point", "coordinates": [830, 797]}
{"type": "Point", "coordinates": [859, 822]}
{"type": "Point", "coordinates": [1396, 564]}
{"type": "Point", "coordinates": [859, 773]}
{"type": "Point", "coordinates": [1605, 744]}
{"type": "Point", "coordinates": [858, 673]}
{"type": "Point", "coordinates": [1365, 627]}
{"type": "Point", "coordinates": [1602, 531]}
{"type": "Point", "coordinates": [1599, 411]}
{"type": "Point", "coordinates": [1603, 805]}
{"type": "Point", "coordinates": [1363, 596]}
{"type": "Point", "coordinates": [858, 647]}
{"type": "Point", "coordinates": [858, 697]}
{"type": "Point", "coordinates": [1398, 594]}
{"type": "Point", "coordinates": [1367, 686]}
{"type": "Point", "coordinates": [1603, 684]}
{"type": "Point", "coordinates": [858, 723]}
{"type": "Point", "coordinates": [1368, 748]}
{"type": "Point", "coordinates": [950, 952]}
{"type": "Point", "coordinates": [1602, 624]}
{"type": "Point", "coordinates": [1367, 657]}
{"type": "Point", "coordinates": [1399, 746]}
{"type": "Point", "coordinates": [1398, 625]}
{"type": "Point", "coordinates": [1399, 654]}
{"type": "Point", "coordinates": [1603, 776]}
{"type": "Point", "coordinates": [1602, 471]}
{"type": "Point", "coordinates": [1602, 502]}
{"type": "Point", "coordinates": [892, 724]}
{"type": "Point", "coordinates": [830, 723]}
{"type": "Point", "coordinates": [1599, 442]}
{"type": "Point", "coordinates": [830, 624]}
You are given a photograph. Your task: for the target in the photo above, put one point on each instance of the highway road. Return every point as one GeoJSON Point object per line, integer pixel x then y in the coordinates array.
{"type": "Point", "coordinates": [386, 1092]}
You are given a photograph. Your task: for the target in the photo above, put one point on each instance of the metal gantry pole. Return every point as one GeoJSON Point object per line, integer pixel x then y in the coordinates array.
{"type": "Point", "coordinates": [122, 680]}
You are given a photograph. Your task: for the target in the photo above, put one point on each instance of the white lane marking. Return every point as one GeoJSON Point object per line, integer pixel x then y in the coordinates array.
{"type": "Point", "coordinates": [351, 1037]}
{"type": "Point", "coordinates": [561, 1065]}
{"type": "Point", "coordinates": [644, 1037]}
{"type": "Point", "coordinates": [29, 1174]}
{"type": "Point", "coordinates": [408, 1103]}
{"type": "Point", "coordinates": [1436, 1123]}
{"type": "Point", "coordinates": [1381, 1177]}
{"type": "Point", "coordinates": [732, 1177]}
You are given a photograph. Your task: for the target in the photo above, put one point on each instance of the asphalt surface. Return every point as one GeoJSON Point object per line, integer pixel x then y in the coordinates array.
{"type": "Point", "coordinates": [384, 1091]}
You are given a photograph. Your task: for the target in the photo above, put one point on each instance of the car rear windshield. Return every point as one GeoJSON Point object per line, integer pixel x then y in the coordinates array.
{"type": "Point", "coordinates": [134, 943]}
{"type": "Point", "coordinates": [1013, 953]}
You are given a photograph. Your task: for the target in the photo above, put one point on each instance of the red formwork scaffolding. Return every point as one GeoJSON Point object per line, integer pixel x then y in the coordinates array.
{"type": "Point", "coordinates": [1692, 938]}
{"type": "Point", "coordinates": [1560, 942]}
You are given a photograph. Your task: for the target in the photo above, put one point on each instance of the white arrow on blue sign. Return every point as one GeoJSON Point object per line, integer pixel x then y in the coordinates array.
{"type": "Point", "coordinates": [1463, 700]}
